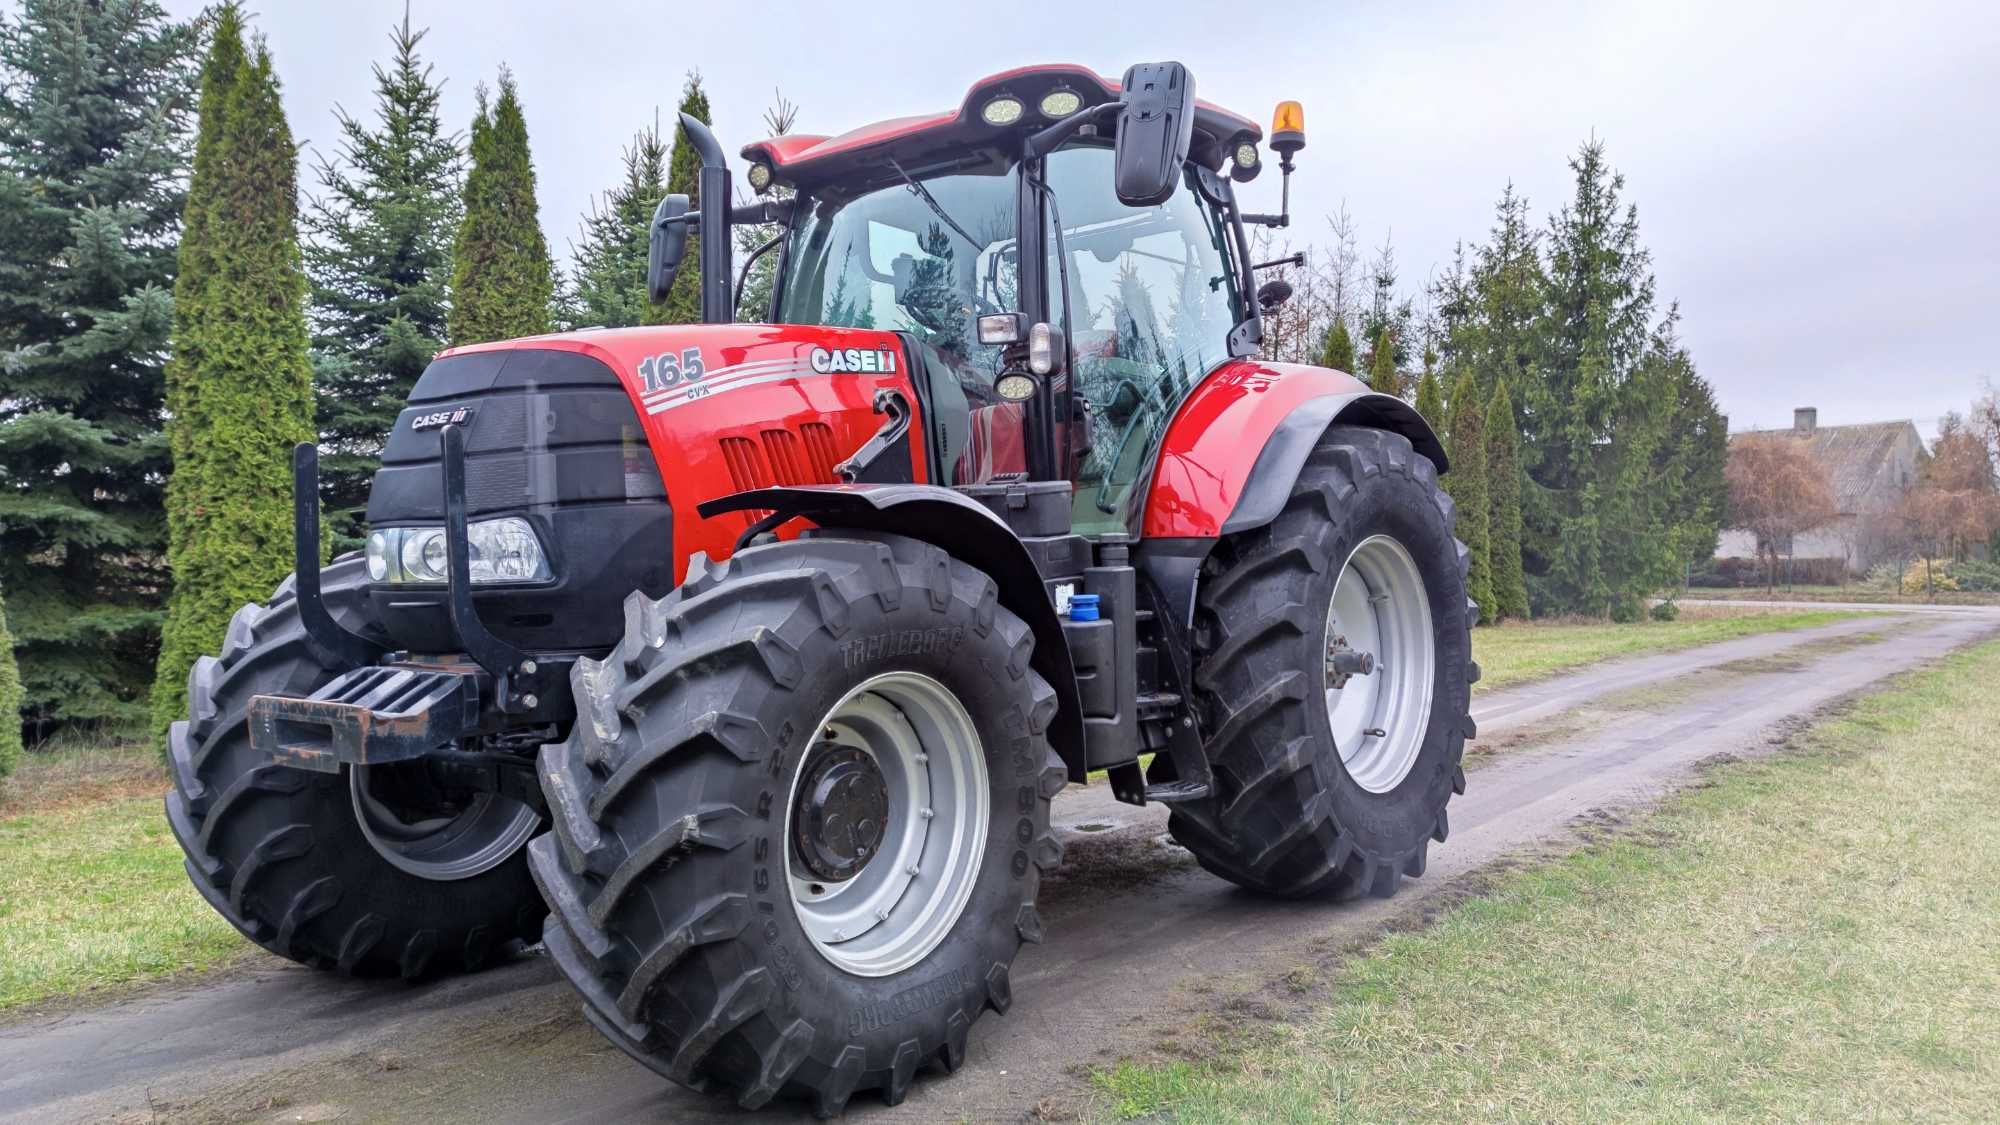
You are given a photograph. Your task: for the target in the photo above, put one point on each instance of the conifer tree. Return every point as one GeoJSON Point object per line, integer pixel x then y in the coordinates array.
{"type": "Point", "coordinates": [1430, 399]}
{"type": "Point", "coordinates": [610, 273]}
{"type": "Point", "coordinates": [503, 283]}
{"type": "Point", "coordinates": [1590, 427]}
{"type": "Point", "coordinates": [1382, 374]}
{"type": "Point", "coordinates": [1337, 349]}
{"type": "Point", "coordinates": [683, 303]}
{"type": "Point", "coordinates": [10, 697]}
{"type": "Point", "coordinates": [1503, 483]}
{"type": "Point", "coordinates": [96, 101]}
{"type": "Point", "coordinates": [1468, 486]}
{"type": "Point", "coordinates": [380, 266]}
{"type": "Point", "coordinates": [239, 391]}
{"type": "Point", "coordinates": [1384, 311]}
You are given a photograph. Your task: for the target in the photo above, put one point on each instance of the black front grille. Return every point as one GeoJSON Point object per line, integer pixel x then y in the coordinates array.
{"type": "Point", "coordinates": [552, 437]}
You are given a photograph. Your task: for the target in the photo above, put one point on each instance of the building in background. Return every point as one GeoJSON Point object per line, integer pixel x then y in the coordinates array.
{"type": "Point", "coordinates": [1869, 467]}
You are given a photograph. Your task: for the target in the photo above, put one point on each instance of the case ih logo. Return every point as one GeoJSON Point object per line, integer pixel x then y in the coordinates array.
{"type": "Point", "coordinates": [442, 418]}
{"type": "Point", "coordinates": [828, 361]}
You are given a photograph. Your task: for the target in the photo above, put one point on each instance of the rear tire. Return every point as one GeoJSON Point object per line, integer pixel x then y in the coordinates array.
{"type": "Point", "coordinates": [280, 852]}
{"type": "Point", "coordinates": [1288, 816]}
{"type": "Point", "coordinates": [671, 870]}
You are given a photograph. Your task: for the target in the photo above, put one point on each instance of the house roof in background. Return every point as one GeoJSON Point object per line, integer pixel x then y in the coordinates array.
{"type": "Point", "coordinates": [1857, 458]}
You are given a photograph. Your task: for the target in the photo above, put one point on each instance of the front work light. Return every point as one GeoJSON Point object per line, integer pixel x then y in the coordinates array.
{"type": "Point", "coordinates": [760, 177]}
{"type": "Point", "coordinates": [500, 550]}
{"type": "Point", "coordinates": [1003, 110]}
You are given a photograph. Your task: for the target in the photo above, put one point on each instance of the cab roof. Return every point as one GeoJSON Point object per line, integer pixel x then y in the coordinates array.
{"type": "Point", "coordinates": [801, 159]}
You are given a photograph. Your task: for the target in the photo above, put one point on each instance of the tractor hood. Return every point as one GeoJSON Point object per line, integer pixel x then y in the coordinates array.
{"type": "Point", "coordinates": [712, 409]}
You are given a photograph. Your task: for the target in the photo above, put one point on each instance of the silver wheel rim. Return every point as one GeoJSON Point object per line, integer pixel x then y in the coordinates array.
{"type": "Point", "coordinates": [480, 836]}
{"type": "Point", "coordinates": [911, 891]}
{"type": "Point", "coordinates": [1381, 611]}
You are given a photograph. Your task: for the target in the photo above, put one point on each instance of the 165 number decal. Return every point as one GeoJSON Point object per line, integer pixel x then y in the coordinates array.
{"type": "Point", "coordinates": [667, 370]}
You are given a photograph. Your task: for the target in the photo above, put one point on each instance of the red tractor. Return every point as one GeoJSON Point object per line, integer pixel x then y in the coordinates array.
{"type": "Point", "coordinates": [739, 663]}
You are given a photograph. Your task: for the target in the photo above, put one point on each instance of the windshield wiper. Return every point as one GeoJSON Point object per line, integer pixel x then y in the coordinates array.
{"type": "Point", "coordinates": [936, 207]}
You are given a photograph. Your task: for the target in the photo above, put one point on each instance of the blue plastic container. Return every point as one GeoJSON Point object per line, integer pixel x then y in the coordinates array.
{"type": "Point", "coordinates": [1083, 607]}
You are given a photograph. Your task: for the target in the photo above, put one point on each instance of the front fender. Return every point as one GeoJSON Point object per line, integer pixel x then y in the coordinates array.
{"type": "Point", "coordinates": [1236, 445]}
{"type": "Point", "coordinates": [967, 530]}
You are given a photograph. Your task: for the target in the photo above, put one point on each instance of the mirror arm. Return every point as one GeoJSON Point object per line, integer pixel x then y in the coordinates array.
{"type": "Point", "coordinates": [1046, 140]}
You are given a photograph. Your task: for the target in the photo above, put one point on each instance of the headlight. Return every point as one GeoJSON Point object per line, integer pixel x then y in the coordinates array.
{"type": "Point", "coordinates": [501, 550]}
{"type": "Point", "coordinates": [423, 555]}
{"type": "Point", "coordinates": [380, 556]}
{"type": "Point", "coordinates": [506, 550]}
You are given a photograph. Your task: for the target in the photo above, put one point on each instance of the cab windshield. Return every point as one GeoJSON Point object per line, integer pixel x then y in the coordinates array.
{"type": "Point", "coordinates": [887, 259]}
{"type": "Point", "coordinates": [1150, 301]}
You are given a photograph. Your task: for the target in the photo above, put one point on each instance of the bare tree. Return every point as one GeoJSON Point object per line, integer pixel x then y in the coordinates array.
{"type": "Point", "coordinates": [1776, 492]}
{"type": "Point", "coordinates": [1955, 506]}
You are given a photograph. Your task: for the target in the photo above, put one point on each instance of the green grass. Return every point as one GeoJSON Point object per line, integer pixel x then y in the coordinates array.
{"type": "Point", "coordinates": [1518, 652]}
{"type": "Point", "coordinates": [1807, 937]}
{"type": "Point", "coordinates": [92, 893]}
{"type": "Point", "coordinates": [1840, 594]}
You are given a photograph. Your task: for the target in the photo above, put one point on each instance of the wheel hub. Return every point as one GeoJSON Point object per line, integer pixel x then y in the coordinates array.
{"type": "Point", "coordinates": [842, 811]}
{"type": "Point", "coordinates": [886, 823]}
{"type": "Point", "coordinates": [1380, 663]}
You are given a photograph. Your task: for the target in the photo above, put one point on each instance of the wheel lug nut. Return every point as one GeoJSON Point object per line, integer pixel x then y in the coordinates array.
{"type": "Point", "coordinates": [925, 813]}
{"type": "Point", "coordinates": [923, 758]}
{"type": "Point", "coordinates": [881, 914]}
{"type": "Point", "coordinates": [911, 870]}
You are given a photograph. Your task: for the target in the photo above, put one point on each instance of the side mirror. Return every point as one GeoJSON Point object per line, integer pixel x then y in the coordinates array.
{"type": "Point", "coordinates": [665, 245]}
{"type": "Point", "coordinates": [1155, 128]}
{"type": "Point", "coordinates": [1273, 293]}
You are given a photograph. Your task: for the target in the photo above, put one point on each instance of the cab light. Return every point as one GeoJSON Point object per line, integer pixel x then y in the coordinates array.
{"type": "Point", "coordinates": [1045, 348]}
{"type": "Point", "coordinates": [1058, 104]}
{"type": "Point", "coordinates": [760, 177]}
{"type": "Point", "coordinates": [1000, 328]}
{"type": "Point", "coordinates": [1003, 110]}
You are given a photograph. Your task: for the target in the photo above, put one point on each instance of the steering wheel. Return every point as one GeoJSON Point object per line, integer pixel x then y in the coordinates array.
{"type": "Point", "coordinates": [1127, 382]}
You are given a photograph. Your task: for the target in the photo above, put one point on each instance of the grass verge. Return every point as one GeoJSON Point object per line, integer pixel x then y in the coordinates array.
{"type": "Point", "coordinates": [1517, 652]}
{"type": "Point", "coordinates": [92, 893]}
{"type": "Point", "coordinates": [1804, 937]}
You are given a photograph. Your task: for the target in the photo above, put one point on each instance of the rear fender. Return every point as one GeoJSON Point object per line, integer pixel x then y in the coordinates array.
{"type": "Point", "coordinates": [967, 530]}
{"type": "Point", "coordinates": [1229, 458]}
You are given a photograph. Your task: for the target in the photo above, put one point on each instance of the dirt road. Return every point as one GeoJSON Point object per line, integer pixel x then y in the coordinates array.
{"type": "Point", "coordinates": [1133, 927]}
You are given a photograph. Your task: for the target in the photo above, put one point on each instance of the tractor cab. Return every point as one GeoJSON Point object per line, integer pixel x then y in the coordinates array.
{"type": "Point", "coordinates": [1136, 281]}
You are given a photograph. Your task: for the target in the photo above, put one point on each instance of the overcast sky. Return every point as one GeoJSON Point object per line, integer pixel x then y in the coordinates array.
{"type": "Point", "coordinates": [1819, 182]}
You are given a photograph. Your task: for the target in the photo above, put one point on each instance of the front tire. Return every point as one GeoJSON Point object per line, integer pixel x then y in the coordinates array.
{"type": "Point", "coordinates": [1331, 783]}
{"type": "Point", "coordinates": [740, 768]}
{"type": "Point", "coordinates": [288, 856]}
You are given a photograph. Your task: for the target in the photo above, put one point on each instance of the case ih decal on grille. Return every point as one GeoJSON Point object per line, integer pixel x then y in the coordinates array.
{"type": "Point", "coordinates": [457, 417]}
{"type": "Point", "coordinates": [685, 389]}
{"type": "Point", "coordinates": [870, 361]}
